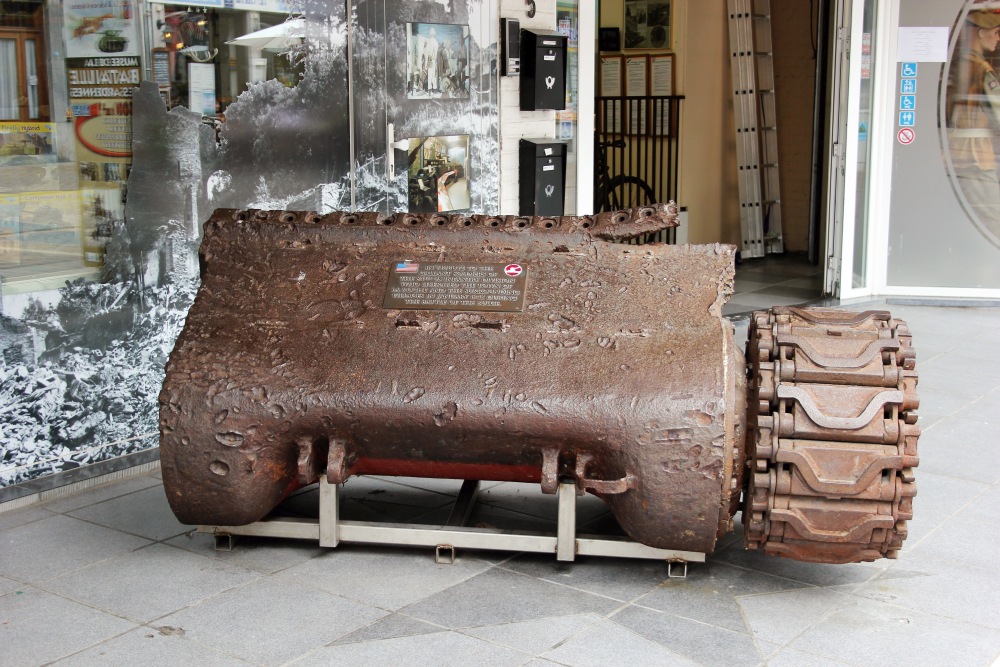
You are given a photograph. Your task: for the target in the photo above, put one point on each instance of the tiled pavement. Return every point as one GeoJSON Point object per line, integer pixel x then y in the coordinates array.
{"type": "Point", "coordinates": [108, 577]}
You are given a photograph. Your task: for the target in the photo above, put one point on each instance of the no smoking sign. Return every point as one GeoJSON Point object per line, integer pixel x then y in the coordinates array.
{"type": "Point", "coordinates": [905, 136]}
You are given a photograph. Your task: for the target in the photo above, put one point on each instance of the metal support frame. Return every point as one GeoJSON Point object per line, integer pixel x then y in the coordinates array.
{"type": "Point", "coordinates": [330, 531]}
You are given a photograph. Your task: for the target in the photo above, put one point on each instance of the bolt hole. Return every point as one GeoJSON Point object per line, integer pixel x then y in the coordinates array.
{"type": "Point", "coordinates": [287, 217]}
{"type": "Point", "coordinates": [350, 219]}
{"type": "Point", "coordinates": [467, 222]}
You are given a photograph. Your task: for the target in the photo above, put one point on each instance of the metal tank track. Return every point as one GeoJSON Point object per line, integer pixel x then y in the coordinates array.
{"type": "Point", "coordinates": [832, 434]}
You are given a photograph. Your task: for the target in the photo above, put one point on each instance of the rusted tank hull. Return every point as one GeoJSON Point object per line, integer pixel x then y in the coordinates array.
{"type": "Point", "coordinates": [535, 350]}
{"type": "Point", "coordinates": [617, 370]}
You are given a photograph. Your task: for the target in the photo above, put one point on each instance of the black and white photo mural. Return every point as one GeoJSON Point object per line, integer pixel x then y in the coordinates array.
{"type": "Point", "coordinates": [81, 366]}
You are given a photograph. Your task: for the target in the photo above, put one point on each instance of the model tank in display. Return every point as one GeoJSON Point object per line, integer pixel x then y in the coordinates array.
{"type": "Point", "coordinates": [538, 350]}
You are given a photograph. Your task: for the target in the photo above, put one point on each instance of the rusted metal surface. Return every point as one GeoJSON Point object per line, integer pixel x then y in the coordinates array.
{"type": "Point", "coordinates": [618, 372]}
{"type": "Point", "coordinates": [534, 350]}
{"type": "Point", "coordinates": [832, 409]}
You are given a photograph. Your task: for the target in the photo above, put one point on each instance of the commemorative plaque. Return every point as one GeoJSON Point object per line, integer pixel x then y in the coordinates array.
{"type": "Point", "coordinates": [456, 286]}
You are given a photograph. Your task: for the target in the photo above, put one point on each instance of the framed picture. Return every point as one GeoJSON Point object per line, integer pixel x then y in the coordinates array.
{"type": "Point", "coordinates": [661, 83]}
{"type": "Point", "coordinates": [636, 85]}
{"type": "Point", "coordinates": [647, 24]}
{"type": "Point", "coordinates": [437, 61]}
{"type": "Point", "coordinates": [610, 111]}
{"type": "Point", "coordinates": [438, 174]}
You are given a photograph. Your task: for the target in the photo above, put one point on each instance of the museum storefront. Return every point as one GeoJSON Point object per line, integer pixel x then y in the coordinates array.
{"type": "Point", "coordinates": [148, 117]}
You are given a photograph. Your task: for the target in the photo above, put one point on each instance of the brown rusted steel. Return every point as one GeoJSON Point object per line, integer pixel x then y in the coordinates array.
{"type": "Point", "coordinates": [832, 409]}
{"type": "Point", "coordinates": [309, 352]}
{"type": "Point", "coordinates": [619, 372]}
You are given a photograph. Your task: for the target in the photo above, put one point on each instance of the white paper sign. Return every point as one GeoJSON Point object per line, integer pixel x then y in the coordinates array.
{"type": "Point", "coordinates": [922, 45]}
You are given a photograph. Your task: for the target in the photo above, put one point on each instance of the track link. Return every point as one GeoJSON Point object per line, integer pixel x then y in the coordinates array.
{"type": "Point", "coordinates": [831, 411]}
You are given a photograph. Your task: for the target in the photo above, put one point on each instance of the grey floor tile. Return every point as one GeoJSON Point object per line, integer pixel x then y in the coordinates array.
{"type": "Point", "coordinates": [529, 499]}
{"type": "Point", "coordinates": [38, 627]}
{"type": "Point", "coordinates": [790, 657]}
{"type": "Point", "coordinates": [747, 284]}
{"type": "Point", "coordinates": [608, 644]}
{"type": "Point", "coordinates": [780, 617]}
{"type": "Point", "coordinates": [620, 579]}
{"type": "Point", "coordinates": [434, 650]}
{"type": "Point", "coordinates": [144, 513]}
{"type": "Point", "coordinates": [969, 538]}
{"type": "Point", "coordinates": [101, 493]}
{"type": "Point", "coordinates": [535, 637]}
{"type": "Point", "coordinates": [813, 282]}
{"type": "Point", "coordinates": [58, 544]}
{"type": "Point", "coordinates": [938, 497]}
{"type": "Point", "coordinates": [262, 554]}
{"type": "Point", "coordinates": [964, 594]}
{"type": "Point", "coordinates": [498, 596]}
{"type": "Point", "coordinates": [764, 300]}
{"type": "Point", "coordinates": [818, 574]}
{"type": "Point", "coordinates": [490, 516]}
{"type": "Point", "coordinates": [960, 448]}
{"type": "Point", "coordinates": [8, 585]}
{"type": "Point", "coordinates": [384, 577]}
{"type": "Point", "coordinates": [147, 645]}
{"type": "Point", "coordinates": [936, 405]}
{"type": "Point", "coordinates": [389, 627]}
{"type": "Point", "coordinates": [985, 409]}
{"type": "Point", "coordinates": [19, 517]}
{"type": "Point", "coordinates": [941, 375]}
{"type": "Point", "coordinates": [705, 644]}
{"type": "Point", "coordinates": [709, 592]}
{"type": "Point", "coordinates": [787, 290]}
{"type": "Point", "coordinates": [262, 622]}
{"type": "Point", "coordinates": [905, 637]}
{"type": "Point", "coordinates": [148, 583]}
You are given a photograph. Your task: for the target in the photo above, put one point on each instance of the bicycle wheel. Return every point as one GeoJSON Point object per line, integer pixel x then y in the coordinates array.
{"type": "Point", "coordinates": [628, 192]}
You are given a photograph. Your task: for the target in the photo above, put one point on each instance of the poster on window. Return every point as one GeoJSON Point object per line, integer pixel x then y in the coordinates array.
{"type": "Point", "coordinates": [437, 61]}
{"type": "Point", "coordinates": [100, 28]}
{"type": "Point", "coordinates": [26, 143]}
{"type": "Point", "coordinates": [438, 175]}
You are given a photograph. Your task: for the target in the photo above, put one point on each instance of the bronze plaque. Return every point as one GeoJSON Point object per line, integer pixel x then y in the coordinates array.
{"type": "Point", "coordinates": [456, 286]}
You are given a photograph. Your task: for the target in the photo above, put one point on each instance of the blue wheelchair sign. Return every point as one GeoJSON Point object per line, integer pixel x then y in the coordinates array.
{"type": "Point", "coordinates": [907, 102]}
{"type": "Point", "coordinates": [907, 119]}
{"type": "Point", "coordinates": [907, 86]}
{"type": "Point", "coordinates": [908, 69]}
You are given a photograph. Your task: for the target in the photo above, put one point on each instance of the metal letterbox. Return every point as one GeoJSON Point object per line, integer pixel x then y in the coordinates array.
{"type": "Point", "coordinates": [542, 177]}
{"type": "Point", "coordinates": [543, 70]}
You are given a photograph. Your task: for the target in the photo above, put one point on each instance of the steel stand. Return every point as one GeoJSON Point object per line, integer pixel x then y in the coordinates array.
{"type": "Point", "coordinates": [330, 531]}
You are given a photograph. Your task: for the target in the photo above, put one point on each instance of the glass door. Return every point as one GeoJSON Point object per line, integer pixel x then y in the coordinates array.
{"type": "Point", "coordinates": [855, 115]}
{"type": "Point", "coordinates": [426, 109]}
{"type": "Point", "coordinates": [22, 81]}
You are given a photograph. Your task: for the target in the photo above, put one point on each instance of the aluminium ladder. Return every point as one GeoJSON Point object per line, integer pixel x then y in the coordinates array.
{"type": "Point", "coordinates": [756, 127]}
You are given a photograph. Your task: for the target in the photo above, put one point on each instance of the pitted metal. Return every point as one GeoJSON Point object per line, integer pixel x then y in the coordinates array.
{"type": "Point", "coordinates": [618, 373]}
{"type": "Point", "coordinates": [834, 447]}
{"type": "Point", "coordinates": [613, 372]}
